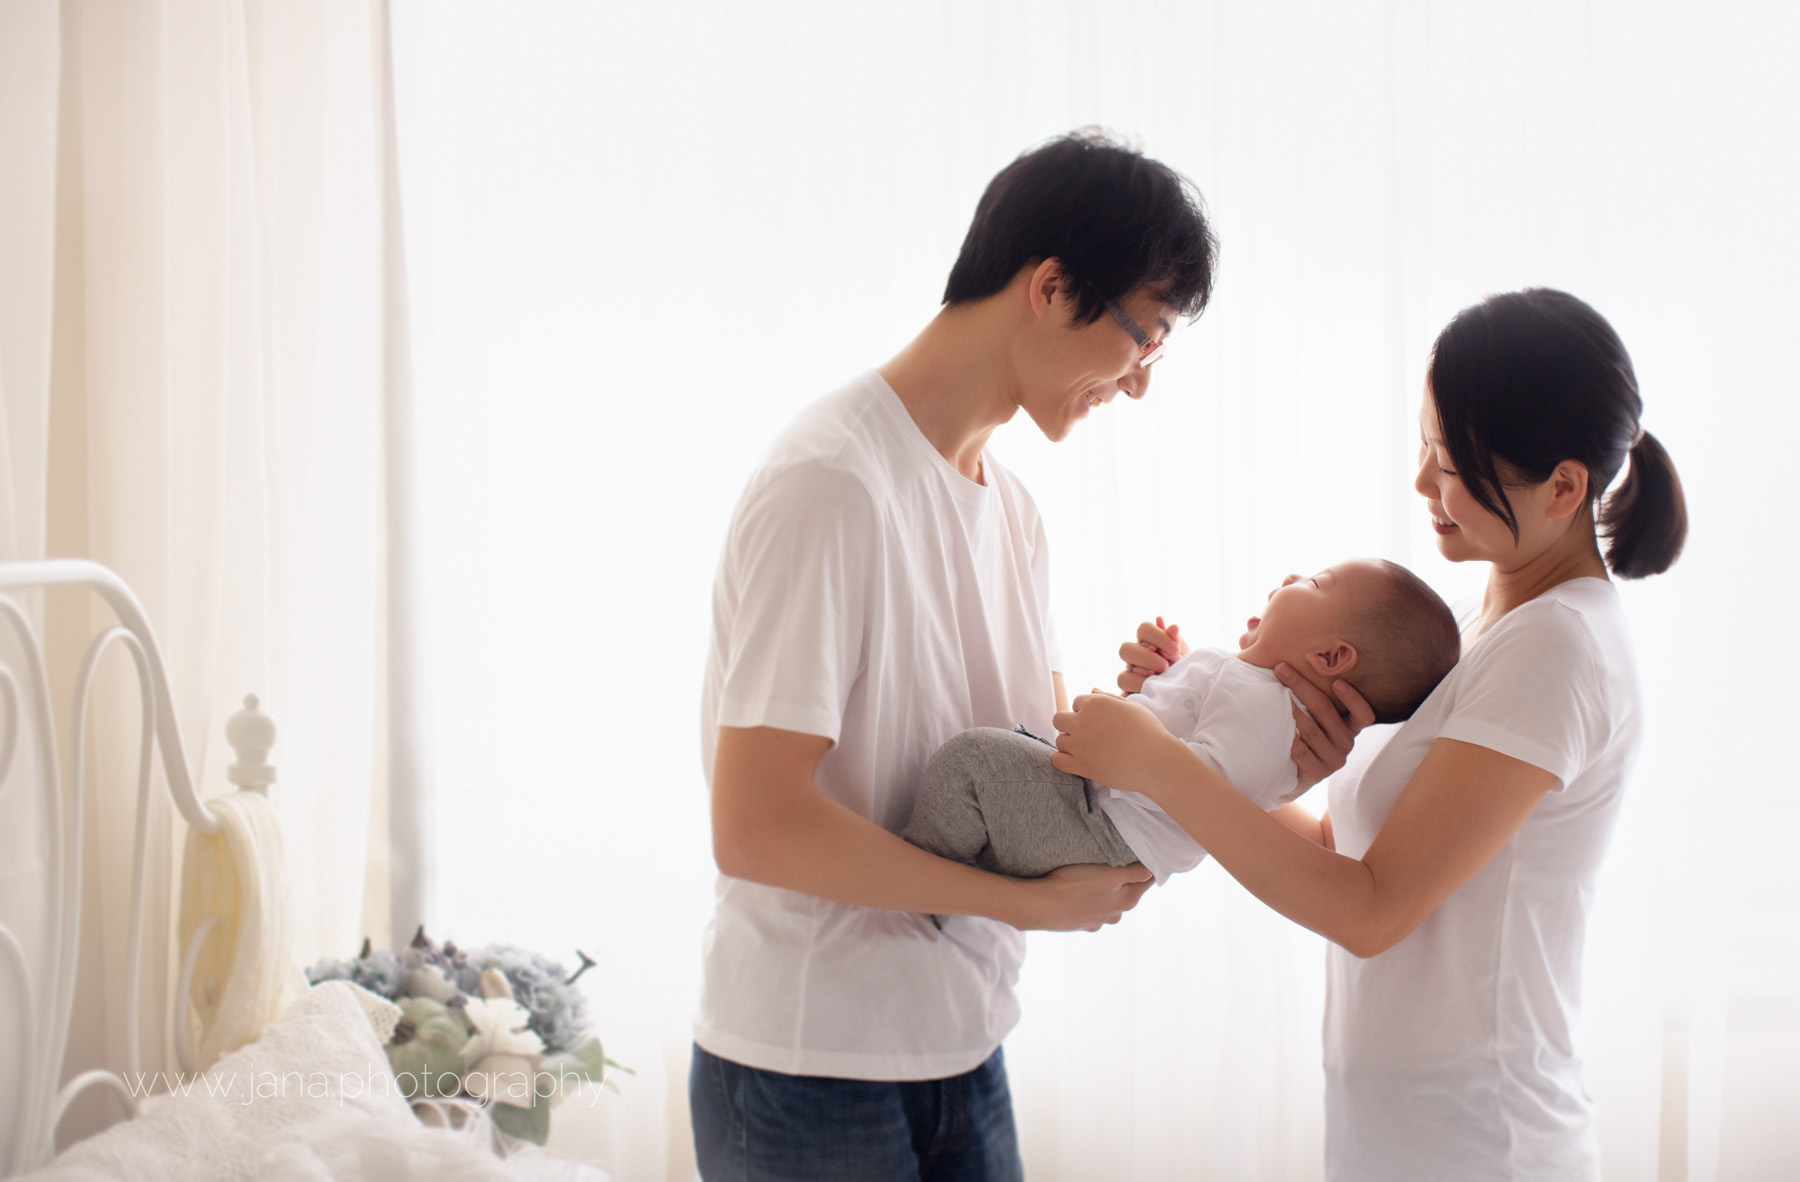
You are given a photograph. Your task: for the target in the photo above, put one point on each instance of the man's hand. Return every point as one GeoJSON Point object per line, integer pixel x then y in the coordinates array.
{"type": "Point", "coordinates": [1322, 736]}
{"type": "Point", "coordinates": [1080, 898]}
{"type": "Point", "coordinates": [1157, 647]}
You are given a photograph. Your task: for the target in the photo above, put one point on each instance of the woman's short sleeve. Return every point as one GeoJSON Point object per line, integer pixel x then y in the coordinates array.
{"type": "Point", "coordinates": [1535, 690]}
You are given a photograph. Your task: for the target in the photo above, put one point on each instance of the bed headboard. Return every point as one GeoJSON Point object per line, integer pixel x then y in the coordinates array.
{"type": "Point", "coordinates": [42, 784]}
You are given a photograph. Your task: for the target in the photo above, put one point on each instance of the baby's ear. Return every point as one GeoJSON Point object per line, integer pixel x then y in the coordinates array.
{"type": "Point", "coordinates": [1334, 660]}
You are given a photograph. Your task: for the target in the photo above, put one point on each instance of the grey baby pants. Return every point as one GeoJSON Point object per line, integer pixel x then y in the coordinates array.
{"type": "Point", "coordinates": [990, 798]}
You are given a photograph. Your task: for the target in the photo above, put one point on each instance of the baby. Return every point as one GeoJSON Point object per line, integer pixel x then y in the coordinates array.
{"type": "Point", "coordinates": [990, 797]}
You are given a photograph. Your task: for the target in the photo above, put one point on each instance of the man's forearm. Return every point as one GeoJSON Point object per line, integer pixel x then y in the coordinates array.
{"type": "Point", "coordinates": [815, 845]}
{"type": "Point", "coordinates": [772, 825]}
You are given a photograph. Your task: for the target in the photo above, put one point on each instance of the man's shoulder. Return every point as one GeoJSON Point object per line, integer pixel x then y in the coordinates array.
{"type": "Point", "coordinates": [861, 426]}
{"type": "Point", "coordinates": [826, 461]}
{"type": "Point", "coordinates": [829, 429]}
{"type": "Point", "coordinates": [808, 494]}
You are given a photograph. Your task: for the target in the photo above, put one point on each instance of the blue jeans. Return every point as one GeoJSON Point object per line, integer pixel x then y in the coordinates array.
{"type": "Point", "coordinates": [752, 1125]}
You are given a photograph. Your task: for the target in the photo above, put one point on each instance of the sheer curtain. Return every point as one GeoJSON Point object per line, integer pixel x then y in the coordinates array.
{"type": "Point", "coordinates": [27, 201]}
{"type": "Point", "coordinates": [189, 289]}
{"type": "Point", "coordinates": [641, 238]}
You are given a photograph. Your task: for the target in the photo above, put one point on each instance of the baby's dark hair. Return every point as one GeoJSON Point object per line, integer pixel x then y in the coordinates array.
{"type": "Point", "coordinates": [1406, 641]}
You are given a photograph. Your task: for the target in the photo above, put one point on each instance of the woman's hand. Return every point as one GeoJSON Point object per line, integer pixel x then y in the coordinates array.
{"type": "Point", "coordinates": [1156, 647]}
{"type": "Point", "coordinates": [1114, 741]}
{"type": "Point", "coordinates": [1322, 736]}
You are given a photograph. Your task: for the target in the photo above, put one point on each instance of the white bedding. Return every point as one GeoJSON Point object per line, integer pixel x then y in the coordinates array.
{"type": "Point", "coordinates": [311, 1099]}
{"type": "Point", "coordinates": [356, 1145]}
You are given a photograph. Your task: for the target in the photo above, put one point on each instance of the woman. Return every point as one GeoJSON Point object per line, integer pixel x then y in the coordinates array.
{"type": "Point", "coordinates": [1455, 865]}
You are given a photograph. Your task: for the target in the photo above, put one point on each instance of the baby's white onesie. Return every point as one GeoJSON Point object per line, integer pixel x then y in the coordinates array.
{"type": "Point", "coordinates": [1234, 715]}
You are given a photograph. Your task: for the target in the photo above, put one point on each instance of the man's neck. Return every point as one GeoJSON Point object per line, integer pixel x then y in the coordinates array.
{"type": "Point", "coordinates": [956, 383]}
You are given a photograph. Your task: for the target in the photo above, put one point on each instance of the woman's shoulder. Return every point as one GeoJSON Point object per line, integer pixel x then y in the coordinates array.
{"type": "Point", "coordinates": [1552, 683]}
{"type": "Point", "coordinates": [1584, 615]}
{"type": "Point", "coordinates": [1576, 628]}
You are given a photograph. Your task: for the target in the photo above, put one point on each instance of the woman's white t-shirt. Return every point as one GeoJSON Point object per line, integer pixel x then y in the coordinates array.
{"type": "Point", "coordinates": [1451, 1056]}
{"type": "Point", "coordinates": [871, 594]}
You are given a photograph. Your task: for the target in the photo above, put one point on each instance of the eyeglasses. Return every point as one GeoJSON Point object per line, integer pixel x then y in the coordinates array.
{"type": "Point", "coordinates": [1149, 351]}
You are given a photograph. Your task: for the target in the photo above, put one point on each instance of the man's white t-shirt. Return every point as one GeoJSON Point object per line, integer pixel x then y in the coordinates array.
{"type": "Point", "coordinates": [871, 594]}
{"type": "Point", "coordinates": [1232, 714]}
{"type": "Point", "coordinates": [1451, 1055]}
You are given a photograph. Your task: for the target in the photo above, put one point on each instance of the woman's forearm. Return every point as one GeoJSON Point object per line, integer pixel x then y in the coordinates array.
{"type": "Point", "coordinates": [1304, 823]}
{"type": "Point", "coordinates": [1287, 868]}
{"type": "Point", "coordinates": [1459, 809]}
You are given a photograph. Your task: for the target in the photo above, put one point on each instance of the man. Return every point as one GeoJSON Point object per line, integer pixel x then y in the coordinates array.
{"type": "Point", "coordinates": [884, 586]}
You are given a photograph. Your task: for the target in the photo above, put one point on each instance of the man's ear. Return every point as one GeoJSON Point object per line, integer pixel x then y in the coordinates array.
{"type": "Point", "coordinates": [1568, 489]}
{"type": "Point", "coordinates": [1047, 279]}
{"type": "Point", "coordinates": [1334, 660]}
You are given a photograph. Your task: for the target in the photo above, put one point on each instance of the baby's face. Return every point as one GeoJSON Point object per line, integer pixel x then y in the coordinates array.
{"type": "Point", "coordinates": [1307, 609]}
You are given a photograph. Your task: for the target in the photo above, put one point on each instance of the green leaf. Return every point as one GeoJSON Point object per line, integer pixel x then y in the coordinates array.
{"type": "Point", "coordinates": [585, 1060]}
{"type": "Point", "coordinates": [527, 1124]}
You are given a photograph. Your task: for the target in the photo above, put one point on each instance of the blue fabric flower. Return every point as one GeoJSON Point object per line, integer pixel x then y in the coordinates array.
{"type": "Point", "coordinates": [558, 1010]}
{"type": "Point", "coordinates": [378, 972]}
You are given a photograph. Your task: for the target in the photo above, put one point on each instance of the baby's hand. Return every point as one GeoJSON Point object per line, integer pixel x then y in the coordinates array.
{"type": "Point", "coordinates": [1157, 647]}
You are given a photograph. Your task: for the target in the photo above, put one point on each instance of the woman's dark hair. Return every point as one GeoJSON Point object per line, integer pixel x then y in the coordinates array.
{"type": "Point", "coordinates": [1532, 378]}
{"type": "Point", "coordinates": [1116, 219]}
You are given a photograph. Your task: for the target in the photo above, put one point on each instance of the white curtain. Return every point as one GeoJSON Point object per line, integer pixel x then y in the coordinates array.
{"type": "Point", "coordinates": [27, 198]}
{"type": "Point", "coordinates": [638, 238]}
{"type": "Point", "coordinates": [189, 354]}
{"type": "Point", "coordinates": [642, 236]}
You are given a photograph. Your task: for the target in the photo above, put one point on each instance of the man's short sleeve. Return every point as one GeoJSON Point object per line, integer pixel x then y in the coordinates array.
{"type": "Point", "coordinates": [790, 605]}
{"type": "Point", "coordinates": [1535, 693]}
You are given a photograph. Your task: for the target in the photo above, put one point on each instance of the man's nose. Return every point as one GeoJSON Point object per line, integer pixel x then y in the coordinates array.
{"type": "Point", "coordinates": [1136, 383]}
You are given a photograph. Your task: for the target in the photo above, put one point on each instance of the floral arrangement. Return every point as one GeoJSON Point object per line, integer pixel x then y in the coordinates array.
{"type": "Point", "coordinates": [499, 1024]}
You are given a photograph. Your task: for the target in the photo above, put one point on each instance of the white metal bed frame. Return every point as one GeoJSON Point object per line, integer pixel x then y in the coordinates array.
{"type": "Point", "coordinates": [45, 1006]}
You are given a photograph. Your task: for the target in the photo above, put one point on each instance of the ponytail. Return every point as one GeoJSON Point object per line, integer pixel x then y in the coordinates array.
{"type": "Point", "coordinates": [1645, 518]}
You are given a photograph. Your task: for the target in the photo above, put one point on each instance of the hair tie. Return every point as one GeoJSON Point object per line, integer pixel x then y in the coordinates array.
{"type": "Point", "coordinates": [1637, 436]}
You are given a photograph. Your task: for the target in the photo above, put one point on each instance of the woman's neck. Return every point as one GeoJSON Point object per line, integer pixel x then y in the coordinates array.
{"type": "Point", "coordinates": [1575, 556]}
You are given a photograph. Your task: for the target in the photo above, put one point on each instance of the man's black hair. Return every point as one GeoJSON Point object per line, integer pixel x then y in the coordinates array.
{"type": "Point", "coordinates": [1116, 219]}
